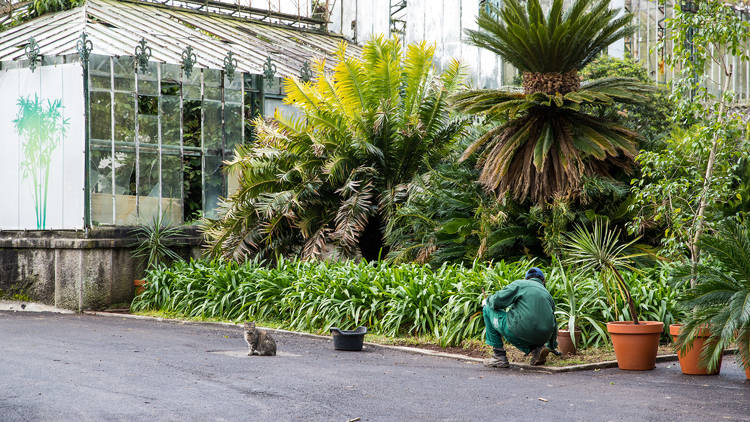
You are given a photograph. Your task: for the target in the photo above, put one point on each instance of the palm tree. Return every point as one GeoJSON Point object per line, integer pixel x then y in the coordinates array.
{"type": "Point", "coordinates": [329, 180]}
{"type": "Point", "coordinates": [720, 298]}
{"type": "Point", "coordinates": [550, 137]}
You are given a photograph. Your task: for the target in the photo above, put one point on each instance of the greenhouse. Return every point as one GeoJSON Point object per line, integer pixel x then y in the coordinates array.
{"type": "Point", "coordinates": [116, 112]}
{"type": "Point", "coordinates": [121, 111]}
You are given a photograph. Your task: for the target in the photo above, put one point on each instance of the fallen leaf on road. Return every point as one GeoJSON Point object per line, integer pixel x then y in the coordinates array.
{"type": "Point", "coordinates": [543, 399]}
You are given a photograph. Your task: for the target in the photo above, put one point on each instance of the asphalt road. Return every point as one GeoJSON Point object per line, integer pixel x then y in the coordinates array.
{"type": "Point", "coordinates": [87, 368]}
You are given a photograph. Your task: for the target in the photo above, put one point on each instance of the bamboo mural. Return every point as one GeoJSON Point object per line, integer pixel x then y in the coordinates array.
{"type": "Point", "coordinates": [42, 127]}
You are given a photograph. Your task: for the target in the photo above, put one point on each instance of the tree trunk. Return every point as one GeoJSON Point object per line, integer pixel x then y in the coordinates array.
{"type": "Point", "coordinates": [699, 223]}
{"type": "Point", "coordinates": [625, 288]}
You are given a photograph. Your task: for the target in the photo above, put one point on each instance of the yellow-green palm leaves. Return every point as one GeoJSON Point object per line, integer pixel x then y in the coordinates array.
{"type": "Point", "coordinates": [547, 142]}
{"type": "Point", "coordinates": [316, 184]}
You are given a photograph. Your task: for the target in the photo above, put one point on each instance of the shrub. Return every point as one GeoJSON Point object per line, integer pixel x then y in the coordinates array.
{"type": "Point", "coordinates": [409, 299]}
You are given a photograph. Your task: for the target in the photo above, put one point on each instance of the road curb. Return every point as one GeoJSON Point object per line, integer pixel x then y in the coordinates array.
{"type": "Point", "coordinates": [407, 349]}
{"type": "Point", "coordinates": [20, 306]}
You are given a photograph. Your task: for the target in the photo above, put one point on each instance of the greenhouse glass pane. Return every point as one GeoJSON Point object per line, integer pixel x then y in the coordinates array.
{"type": "Point", "coordinates": [148, 184]}
{"type": "Point", "coordinates": [272, 86]}
{"type": "Point", "coordinates": [147, 81]}
{"type": "Point", "coordinates": [125, 204]}
{"type": "Point", "coordinates": [99, 72]}
{"type": "Point", "coordinates": [101, 115]}
{"type": "Point", "coordinates": [171, 190]}
{"type": "Point", "coordinates": [213, 184]}
{"type": "Point", "coordinates": [169, 105]}
{"type": "Point", "coordinates": [148, 105]}
{"type": "Point", "coordinates": [170, 120]}
{"type": "Point", "coordinates": [191, 121]}
{"type": "Point", "coordinates": [232, 125]}
{"type": "Point", "coordinates": [124, 73]}
{"type": "Point", "coordinates": [212, 124]}
{"type": "Point", "coordinates": [100, 182]}
{"type": "Point", "coordinates": [170, 73]}
{"type": "Point", "coordinates": [148, 129]}
{"type": "Point", "coordinates": [272, 104]}
{"type": "Point", "coordinates": [251, 82]}
{"type": "Point", "coordinates": [212, 84]}
{"type": "Point", "coordinates": [192, 178]}
{"type": "Point", "coordinates": [191, 86]}
{"type": "Point", "coordinates": [124, 117]}
{"type": "Point", "coordinates": [233, 89]}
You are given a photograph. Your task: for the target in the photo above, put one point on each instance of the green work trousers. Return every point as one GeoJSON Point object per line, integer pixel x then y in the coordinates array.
{"type": "Point", "coordinates": [496, 328]}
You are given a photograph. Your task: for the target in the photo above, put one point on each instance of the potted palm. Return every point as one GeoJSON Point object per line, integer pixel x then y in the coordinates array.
{"type": "Point", "coordinates": [720, 297]}
{"type": "Point", "coordinates": [568, 339]}
{"type": "Point", "coordinates": [155, 245]}
{"type": "Point", "coordinates": [636, 342]}
{"type": "Point", "coordinates": [579, 295]}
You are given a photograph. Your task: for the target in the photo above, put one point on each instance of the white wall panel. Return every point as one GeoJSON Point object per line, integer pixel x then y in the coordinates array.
{"type": "Point", "coordinates": [433, 31]}
{"type": "Point", "coordinates": [415, 12]}
{"type": "Point", "coordinates": [335, 24]}
{"type": "Point", "coordinates": [73, 156]}
{"type": "Point", "coordinates": [381, 14]}
{"type": "Point", "coordinates": [451, 24]}
{"type": "Point", "coordinates": [348, 14]}
{"type": "Point", "coordinates": [29, 87]}
{"type": "Point", "coordinates": [364, 20]}
{"type": "Point", "coordinates": [11, 153]}
{"type": "Point", "coordinates": [47, 190]}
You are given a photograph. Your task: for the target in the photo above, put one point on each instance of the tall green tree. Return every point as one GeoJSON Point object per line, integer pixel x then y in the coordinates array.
{"type": "Point", "coordinates": [548, 137]}
{"type": "Point", "coordinates": [686, 186]}
{"type": "Point", "coordinates": [328, 180]}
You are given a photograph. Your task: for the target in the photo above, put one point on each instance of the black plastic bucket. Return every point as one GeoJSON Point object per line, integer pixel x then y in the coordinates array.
{"type": "Point", "coordinates": [348, 340]}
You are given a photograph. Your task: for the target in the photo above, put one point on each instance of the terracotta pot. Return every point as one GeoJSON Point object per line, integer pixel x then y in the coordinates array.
{"type": "Point", "coordinates": [140, 286]}
{"type": "Point", "coordinates": [690, 361]}
{"type": "Point", "coordinates": [635, 345]}
{"type": "Point", "coordinates": [739, 361]}
{"type": "Point", "coordinates": [565, 344]}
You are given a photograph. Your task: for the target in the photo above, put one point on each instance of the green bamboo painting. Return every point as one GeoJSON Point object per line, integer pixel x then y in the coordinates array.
{"type": "Point", "coordinates": [42, 127]}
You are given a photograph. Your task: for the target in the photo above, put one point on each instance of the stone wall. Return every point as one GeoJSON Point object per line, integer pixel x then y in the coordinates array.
{"type": "Point", "coordinates": [72, 269]}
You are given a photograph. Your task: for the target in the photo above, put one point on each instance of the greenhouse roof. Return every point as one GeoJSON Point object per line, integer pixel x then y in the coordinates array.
{"type": "Point", "coordinates": [115, 28]}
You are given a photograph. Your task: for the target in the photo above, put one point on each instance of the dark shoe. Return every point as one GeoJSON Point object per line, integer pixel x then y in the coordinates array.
{"type": "Point", "coordinates": [539, 356]}
{"type": "Point", "coordinates": [498, 360]}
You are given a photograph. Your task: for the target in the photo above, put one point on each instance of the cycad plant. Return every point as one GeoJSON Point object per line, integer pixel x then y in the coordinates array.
{"type": "Point", "coordinates": [327, 182]}
{"type": "Point", "coordinates": [720, 298]}
{"type": "Point", "coordinates": [549, 136]}
{"type": "Point", "coordinates": [449, 217]}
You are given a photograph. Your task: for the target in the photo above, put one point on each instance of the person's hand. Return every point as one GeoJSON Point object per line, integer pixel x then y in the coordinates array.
{"type": "Point", "coordinates": [484, 302]}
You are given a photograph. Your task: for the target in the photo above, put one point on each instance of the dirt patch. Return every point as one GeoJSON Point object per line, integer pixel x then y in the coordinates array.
{"type": "Point", "coordinates": [479, 350]}
{"type": "Point", "coordinates": [472, 350]}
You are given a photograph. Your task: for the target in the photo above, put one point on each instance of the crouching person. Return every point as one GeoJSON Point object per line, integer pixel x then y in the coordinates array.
{"type": "Point", "coordinates": [523, 313]}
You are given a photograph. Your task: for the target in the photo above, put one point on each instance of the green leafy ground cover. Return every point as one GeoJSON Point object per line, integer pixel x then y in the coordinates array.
{"type": "Point", "coordinates": [408, 300]}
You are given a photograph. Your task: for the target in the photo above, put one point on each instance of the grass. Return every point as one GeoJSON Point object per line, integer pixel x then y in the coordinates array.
{"type": "Point", "coordinates": [470, 347]}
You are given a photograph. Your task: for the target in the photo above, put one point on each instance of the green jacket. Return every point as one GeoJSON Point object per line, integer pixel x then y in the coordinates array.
{"type": "Point", "coordinates": [531, 313]}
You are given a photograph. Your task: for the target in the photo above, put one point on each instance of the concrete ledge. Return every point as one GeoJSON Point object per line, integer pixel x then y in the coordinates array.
{"type": "Point", "coordinates": [73, 243]}
{"type": "Point", "coordinates": [77, 270]}
{"type": "Point", "coordinates": [16, 306]}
